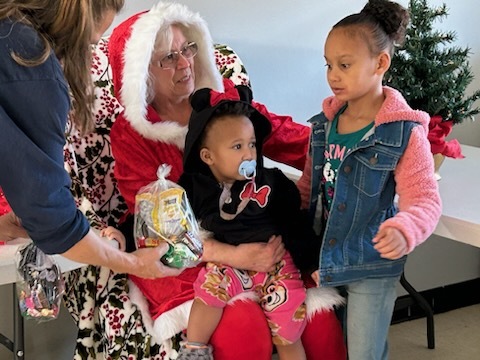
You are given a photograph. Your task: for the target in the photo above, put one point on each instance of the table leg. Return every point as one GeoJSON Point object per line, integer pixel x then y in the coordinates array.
{"type": "Point", "coordinates": [425, 307]}
{"type": "Point", "coordinates": [6, 342]}
{"type": "Point", "coordinates": [18, 334]}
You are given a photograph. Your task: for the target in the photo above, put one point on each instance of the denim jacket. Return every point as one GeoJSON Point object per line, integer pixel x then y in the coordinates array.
{"type": "Point", "coordinates": [364, 199]}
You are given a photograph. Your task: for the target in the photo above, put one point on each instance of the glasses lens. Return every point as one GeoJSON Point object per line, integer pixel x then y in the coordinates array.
{"type": "Point", "coordinates": [190, 50]}
{"type": "Point", "coordinates": [171, 59]}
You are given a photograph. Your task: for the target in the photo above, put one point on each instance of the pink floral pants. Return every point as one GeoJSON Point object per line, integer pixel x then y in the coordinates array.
{"type": "Point", "coordinates": [281, 294]}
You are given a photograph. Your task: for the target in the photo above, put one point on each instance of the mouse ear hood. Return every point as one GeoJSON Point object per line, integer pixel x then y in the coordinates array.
{"type": "Point", "coordinates": [205, 102]}
{"type": "Point", "coordinates": [245, 93]}
{"type": "Point", "coordinates": [200, 99]}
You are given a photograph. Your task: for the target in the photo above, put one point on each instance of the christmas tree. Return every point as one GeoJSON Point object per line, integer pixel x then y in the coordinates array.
{"type": "Point", "coordinates": [431, 73]}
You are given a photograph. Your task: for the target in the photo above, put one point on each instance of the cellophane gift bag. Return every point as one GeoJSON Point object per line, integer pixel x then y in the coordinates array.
{"type": "Point", "coordinates": [163, 213]}
{"type": "Point", "coordinates": [41, 288]}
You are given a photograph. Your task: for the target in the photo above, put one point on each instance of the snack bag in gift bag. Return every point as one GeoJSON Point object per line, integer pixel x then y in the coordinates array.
{"type": "Point", "coordinates": [163, 213]}
{"type": "Point", "coordinates": [40, 291]}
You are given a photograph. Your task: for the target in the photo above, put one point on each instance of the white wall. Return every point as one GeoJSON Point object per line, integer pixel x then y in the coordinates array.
{"type": "Point", "coordinates": [281, 44]}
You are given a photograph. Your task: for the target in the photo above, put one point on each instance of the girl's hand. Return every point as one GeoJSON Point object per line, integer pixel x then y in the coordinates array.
{"type": "Point", "coordinates": [390, 243]}
{"type": "Point", "coordinates": [112, 233]}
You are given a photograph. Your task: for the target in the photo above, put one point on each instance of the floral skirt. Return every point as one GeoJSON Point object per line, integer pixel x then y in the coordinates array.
{"type": "Point", "coordinates": [110, 326]}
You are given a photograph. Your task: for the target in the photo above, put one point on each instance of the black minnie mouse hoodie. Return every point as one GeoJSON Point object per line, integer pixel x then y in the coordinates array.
{"type": "Point", "coordinates": [274, 200]}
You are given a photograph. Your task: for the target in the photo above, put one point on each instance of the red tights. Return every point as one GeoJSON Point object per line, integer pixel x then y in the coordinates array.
{"type": "Point", "coordinates": [243, 333]}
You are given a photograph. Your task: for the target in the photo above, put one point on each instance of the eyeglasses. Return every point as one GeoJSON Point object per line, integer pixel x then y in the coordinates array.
{"type": "Point", "coordinates": [170, 61]}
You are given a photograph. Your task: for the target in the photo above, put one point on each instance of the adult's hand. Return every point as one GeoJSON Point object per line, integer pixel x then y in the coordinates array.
{"type": "Point", "coordinates": [11, 228]}
{"type": "Point", "coordinates": [150, 266]}
{"type": "Point", "coordinates": [260, 256]}
{"type": "Point", "coordinates": [143, 263]}
{"type": "Point", "coordinates": [253, 256]}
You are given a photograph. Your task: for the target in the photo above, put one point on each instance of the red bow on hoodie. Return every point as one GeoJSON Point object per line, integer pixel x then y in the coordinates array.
{"type": "Point", "coordinates": [260, 196]}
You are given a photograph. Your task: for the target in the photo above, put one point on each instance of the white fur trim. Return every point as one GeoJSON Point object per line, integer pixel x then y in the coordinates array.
{"type": "Point", "coordinates": [171, 322]}
{"type": "Point", "coordinates": [322, 298]}
{"type": "Point", "coordinates": [166, 325]}
{"type": "Point", "coordinates": [168, 132]}
{"type": "Point", "coordinates": [141, 302]}
{"type": "Point", "coordinates": [137, 55]}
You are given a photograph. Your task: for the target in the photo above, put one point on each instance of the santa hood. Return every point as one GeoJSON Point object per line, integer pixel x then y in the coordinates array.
{"type": "Point", "coordinates": [131, 46]}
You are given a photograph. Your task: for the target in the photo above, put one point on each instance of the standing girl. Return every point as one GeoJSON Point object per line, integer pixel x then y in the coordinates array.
{"type": "Point", "coordinates": [366, 147]}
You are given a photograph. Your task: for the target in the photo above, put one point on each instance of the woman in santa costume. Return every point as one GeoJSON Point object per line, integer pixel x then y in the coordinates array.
{"type": "Point", "coordinates": [159, 58]}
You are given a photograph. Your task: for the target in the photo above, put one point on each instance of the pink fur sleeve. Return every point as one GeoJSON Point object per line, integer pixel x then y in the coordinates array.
{"type": "Point", "coordinates": [419, 200]}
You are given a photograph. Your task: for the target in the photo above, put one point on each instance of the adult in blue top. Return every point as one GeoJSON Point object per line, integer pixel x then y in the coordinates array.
{"type": "Point", "coordinates": [45, 60]}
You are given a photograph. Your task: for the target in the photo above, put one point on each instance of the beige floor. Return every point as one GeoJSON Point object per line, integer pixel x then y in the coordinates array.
{"type": "Point", "coordinates": [457, 337]}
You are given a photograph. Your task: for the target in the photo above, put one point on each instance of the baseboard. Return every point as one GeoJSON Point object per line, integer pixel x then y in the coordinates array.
{"type": "Point", "coordinates": [441, 299]}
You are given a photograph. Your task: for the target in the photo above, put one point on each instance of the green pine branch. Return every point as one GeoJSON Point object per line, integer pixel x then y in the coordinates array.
{"type": "Point", "coordinates": [431, 72]}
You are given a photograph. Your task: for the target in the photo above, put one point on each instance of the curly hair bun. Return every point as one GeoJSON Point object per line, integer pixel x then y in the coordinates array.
{"type": "Point", "coordinates": [391, 16]}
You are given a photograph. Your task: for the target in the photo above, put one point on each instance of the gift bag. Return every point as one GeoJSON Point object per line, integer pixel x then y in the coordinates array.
{"type": "Point", "coordinates": [163, 213]}
{"type": "Point", "coordinates": [41, 288]}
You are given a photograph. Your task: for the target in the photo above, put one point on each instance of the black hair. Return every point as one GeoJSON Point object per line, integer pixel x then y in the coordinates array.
{"type": "Point", "coordinates": [228, 108]}
{"type": "Point", "coordinates": [382, 24]}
